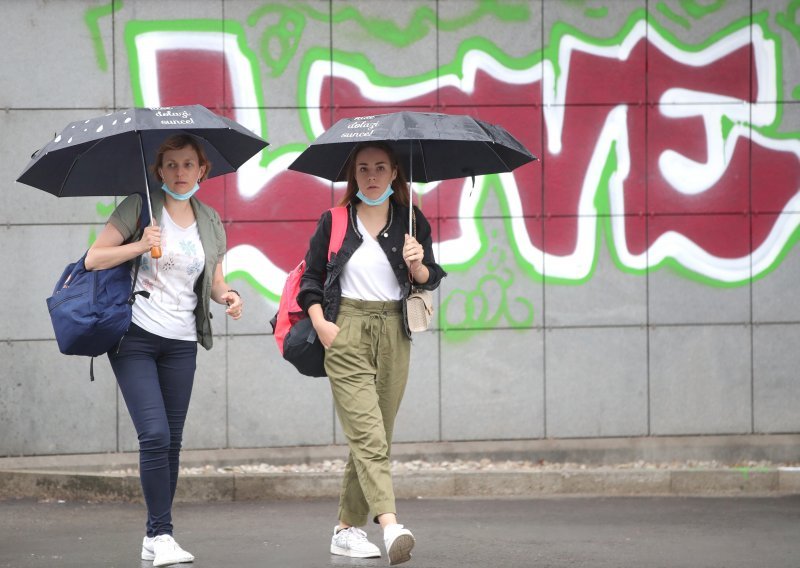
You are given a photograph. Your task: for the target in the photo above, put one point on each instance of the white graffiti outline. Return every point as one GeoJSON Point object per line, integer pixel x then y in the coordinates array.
{"type": "Point", "coordinates": [251, 177]}
{"type": "Point", "coordinates": [614, 134]}
{"type": "Point", "coordinates": [683, 174]}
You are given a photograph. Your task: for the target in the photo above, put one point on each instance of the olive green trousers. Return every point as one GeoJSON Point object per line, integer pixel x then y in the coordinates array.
{"type": "Point", "coordinates": [367, 365]}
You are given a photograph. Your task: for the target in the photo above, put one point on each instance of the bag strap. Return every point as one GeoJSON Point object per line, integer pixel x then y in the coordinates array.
{"type": "Point", "coordinates": [338, 229]}
{"type": "Point", "coordinates": [144, 215]}
{"type": "Point", "coordinates": [141, 223]}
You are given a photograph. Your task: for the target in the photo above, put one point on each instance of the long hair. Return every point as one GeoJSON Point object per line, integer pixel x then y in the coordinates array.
{"type": "Point", "coordinates": [399, 185]}
{"type": "Point", "coordinates": [178, 142]}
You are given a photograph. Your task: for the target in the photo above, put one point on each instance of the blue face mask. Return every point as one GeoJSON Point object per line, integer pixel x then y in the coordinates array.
{"type": "Point", "coordinates": [181, 196]}
{"type": "Point", "coordinates": [389, 191]}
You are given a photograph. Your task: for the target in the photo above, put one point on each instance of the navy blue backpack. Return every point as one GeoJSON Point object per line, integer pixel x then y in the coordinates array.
{"type": "Point", "coordinates": [91, 309]}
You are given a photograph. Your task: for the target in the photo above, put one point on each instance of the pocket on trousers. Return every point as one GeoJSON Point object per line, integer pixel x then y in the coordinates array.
{"type": "Point", "coordinates": [349, 333]}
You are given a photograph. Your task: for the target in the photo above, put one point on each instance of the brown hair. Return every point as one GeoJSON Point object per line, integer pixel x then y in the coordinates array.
{"type": "Point", "coordinates": [399, 185]}
{"type": "Point", "coordinates": [178, 142]}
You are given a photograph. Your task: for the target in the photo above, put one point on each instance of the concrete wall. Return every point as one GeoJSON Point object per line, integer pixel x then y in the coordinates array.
{"type": "Point", "coordinates": [640, 280]}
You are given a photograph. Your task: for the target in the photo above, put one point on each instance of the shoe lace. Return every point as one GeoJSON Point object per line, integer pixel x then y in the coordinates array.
{"type": "Point", "coordinates": [165, 538]}
{"type": "Point", "coordinates": [354, 534]}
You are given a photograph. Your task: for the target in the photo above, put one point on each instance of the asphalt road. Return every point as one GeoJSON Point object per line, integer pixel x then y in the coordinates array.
{"type": "Point", "coordinates": [618, 532]}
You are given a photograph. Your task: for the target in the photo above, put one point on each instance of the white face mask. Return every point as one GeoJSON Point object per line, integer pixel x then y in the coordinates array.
{"type": "Point", "coordinates": [386, 194]}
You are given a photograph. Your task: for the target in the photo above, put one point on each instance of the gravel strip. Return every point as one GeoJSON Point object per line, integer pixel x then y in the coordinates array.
{"type": "Point", "coordinates": [337, 466]}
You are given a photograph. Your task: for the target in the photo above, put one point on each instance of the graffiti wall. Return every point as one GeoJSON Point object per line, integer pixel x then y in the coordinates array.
{"type": "Point", "coordinates": [638, 280]}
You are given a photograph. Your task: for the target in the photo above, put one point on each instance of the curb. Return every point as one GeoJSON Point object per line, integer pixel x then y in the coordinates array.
{"type": "Point", "coordinates": [231, 487]}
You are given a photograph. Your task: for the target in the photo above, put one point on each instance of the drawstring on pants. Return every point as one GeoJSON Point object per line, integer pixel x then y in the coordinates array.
{"type": "Point", "coordinates": [375, 318]}
{"type": "Point", "coordinates": [377, 326]}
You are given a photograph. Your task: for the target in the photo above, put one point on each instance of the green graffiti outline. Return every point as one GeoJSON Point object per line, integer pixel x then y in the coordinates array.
{"type": "Point", "coordinates": [282, 33]}
{"type": "Point", "coordinates": [471, 325]}
{"type": "Point", "coordinates": [361, 62]}
{"type": "Point", "coordinates": [91, 18]}
{"type": "Point", "coordinates": [788, 21]}
{"type": "Point", "coordinates": [258, 287]}
{"type": "Point", "coordinates": [136, 27]}
{"type": "Point", "coordinates": [489, 185]}
{"type": "Point", "coordinates": [560, 31]}
{"type": "Point", "coordinates": [698, 11]}
{"type": "Point", "coordinates": [668, 13]}
{"type": "Point", "coordinates": [104, 210]}
{"type": "Point", "coordinates": [596, 13]}
{"type": "Point", "coordinates": [421, 21]}
{"type": "Point", "coordinates": [268, 155]}
{"type": "Point", "coordinates": [772, 130]}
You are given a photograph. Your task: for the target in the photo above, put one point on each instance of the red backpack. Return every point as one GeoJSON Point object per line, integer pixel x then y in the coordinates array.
{"type": "Point", "coordinates": [295, 335]}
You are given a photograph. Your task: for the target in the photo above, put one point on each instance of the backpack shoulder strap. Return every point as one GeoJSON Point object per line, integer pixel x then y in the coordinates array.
{"type": "Point", "coordinates": [338, 229]}
{"type": "Point", "coordinates": [141, 224]}
{"type": "Point", "coordinates": [144, 215]}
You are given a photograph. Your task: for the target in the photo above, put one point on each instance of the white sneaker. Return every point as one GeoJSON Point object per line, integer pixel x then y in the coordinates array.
{"type": "Point", "coordinates": [353, 542]}
{"type": "Point", "coordinates": [147, 548]}
{"type": "Point", "coordinates": [163, 550]}
{"type": "Point", "coordinates": [399, 542]}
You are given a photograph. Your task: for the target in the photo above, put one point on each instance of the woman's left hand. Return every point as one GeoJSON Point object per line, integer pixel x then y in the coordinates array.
{"type": "Point", "coordinates": [235, 304]}
{"type": "Point", "coordinates": [412, 254]}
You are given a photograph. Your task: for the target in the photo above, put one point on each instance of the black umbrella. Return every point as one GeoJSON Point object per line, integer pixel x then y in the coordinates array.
{"type": "Point", "coordinates": [432, 146]}
{"type": "Point", "coordinates": [105, 155]}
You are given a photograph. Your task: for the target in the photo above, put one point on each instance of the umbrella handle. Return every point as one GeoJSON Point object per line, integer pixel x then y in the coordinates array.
{"type": "Point", "coordinates": [155, 252]}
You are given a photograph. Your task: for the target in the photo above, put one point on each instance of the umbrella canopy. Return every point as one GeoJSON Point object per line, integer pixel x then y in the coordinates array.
{"type": "Point", "coordinates": [105, 155]}
{"type": "Point", "coordinates": [431, 146]}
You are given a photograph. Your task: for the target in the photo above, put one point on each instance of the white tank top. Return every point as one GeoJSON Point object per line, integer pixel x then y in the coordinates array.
{"type": "Point", "coordinates": [368, 274]}
{"type": "Point", "coordinates": [170, 280]}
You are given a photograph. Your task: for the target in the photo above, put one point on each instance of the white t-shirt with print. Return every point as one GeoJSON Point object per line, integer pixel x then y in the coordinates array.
{"type": "Point", "coordinates": [169, 312]}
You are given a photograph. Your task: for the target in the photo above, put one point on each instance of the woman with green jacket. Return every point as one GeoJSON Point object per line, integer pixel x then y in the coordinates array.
{"type": "Point", "coordinates": [155, 361]}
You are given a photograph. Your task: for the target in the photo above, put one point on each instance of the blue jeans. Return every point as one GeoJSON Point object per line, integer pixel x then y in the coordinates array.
{"type": "Point", "coordinates": [155, 376]}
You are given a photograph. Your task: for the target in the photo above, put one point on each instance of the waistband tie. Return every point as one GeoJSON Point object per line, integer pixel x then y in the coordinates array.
{"type": "Point", "coordinates": [377, 327]}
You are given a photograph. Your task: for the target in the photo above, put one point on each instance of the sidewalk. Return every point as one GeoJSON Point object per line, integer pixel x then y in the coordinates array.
{"type": "Point", "coordinates": [711, 466]}
{"type": "Point", "coordinates": [552, 532]}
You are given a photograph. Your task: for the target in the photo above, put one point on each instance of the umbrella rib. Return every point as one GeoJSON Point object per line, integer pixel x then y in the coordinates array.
{"type": "Point", "coordinates": [422, 157]}
{"type": "Point", "coordinates": [74, 162]}
{"type": "Point", "coordinates": [502, 161]}
{"type": "Point", "coordinates": [344, 163]}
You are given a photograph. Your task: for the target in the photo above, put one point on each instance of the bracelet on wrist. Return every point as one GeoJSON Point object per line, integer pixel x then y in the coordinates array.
{"type": "Point", "coordinates": [235, 292]}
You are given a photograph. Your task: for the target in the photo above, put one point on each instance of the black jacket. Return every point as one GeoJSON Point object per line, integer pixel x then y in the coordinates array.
{"type": "Point", "coordinates": [390, 238]}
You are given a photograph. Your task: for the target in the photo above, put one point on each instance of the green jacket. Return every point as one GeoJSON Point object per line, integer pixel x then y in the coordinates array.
{"type": "Point", "coordinates": [212, 237]}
